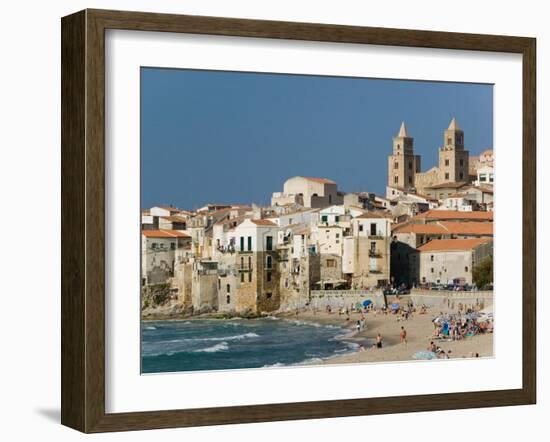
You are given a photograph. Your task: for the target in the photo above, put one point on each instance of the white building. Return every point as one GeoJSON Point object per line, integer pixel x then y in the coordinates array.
{"type": "Point", "coordinates": [309, 192]}
{"type": "Point", "coordinates": [485, 176]}
{"type": "Point", "coordinates": [256, 235]}
{"type": "Point", "coordinates": [160, 251]}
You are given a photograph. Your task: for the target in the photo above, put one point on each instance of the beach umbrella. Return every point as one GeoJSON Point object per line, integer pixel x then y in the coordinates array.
{"type": "Point", "coordinates": [395, 306]}
{"type": "Point", "coordinates": [425, 355]}
{"type": "Point", "coordinates": [367, 302]}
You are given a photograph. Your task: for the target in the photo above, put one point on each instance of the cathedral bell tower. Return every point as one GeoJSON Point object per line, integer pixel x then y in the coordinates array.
{"type": "Point", "coordinates": [403, 165]}
{"type": "Point", "coordinates": [453, 158]}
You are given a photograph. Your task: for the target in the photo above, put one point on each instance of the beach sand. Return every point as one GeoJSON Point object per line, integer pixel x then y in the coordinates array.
{"type": "Point", "coordinates": [419, 335]}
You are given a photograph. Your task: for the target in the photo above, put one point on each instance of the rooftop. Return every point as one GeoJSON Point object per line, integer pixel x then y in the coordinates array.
{"type": "Point", "coordinates": [448, 245]}
{"type": "Point", "coordinates": [263, 222]}
{"type": "Point", "coordinates": [447, 228]}
{"type": "Point", "coordinates": [164, 234]}
{"type": "Point", "coordinates": [449, 185]}
{"type": "Point", "coordinates": [455, 214]}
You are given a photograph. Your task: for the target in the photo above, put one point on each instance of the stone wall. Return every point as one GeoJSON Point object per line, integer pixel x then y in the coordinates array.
{"type": "Point", "coordinates": [319, 299]}
{"type": "Point", "coordinates": [451, 299]}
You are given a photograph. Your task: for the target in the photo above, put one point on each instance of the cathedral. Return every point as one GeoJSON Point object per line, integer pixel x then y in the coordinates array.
{"type": "Point", "coordinates": [404, 167]}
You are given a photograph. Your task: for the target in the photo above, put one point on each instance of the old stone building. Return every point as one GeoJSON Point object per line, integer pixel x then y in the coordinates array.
{"type": "Point", "coordinates": [404, 167]}
{"type": "Point", "coordinates": [403, 164]}
{"type": "Point", "coordinates": [447, 261]}
{"type": "Point", "coordinates": [366, 257]}
{"type": "Point", "coordinates": [257, 264]}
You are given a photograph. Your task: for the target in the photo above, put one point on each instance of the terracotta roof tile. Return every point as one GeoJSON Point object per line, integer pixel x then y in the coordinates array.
{"type": "Point", "coordinates": [164, 234]}
{"type": "Point", "coordinates": [455, 214]}
{"type": "Point", "coordinates": [444, 245]}
{"type": "Point", "coordinates": [447, 228]}
{"type": "Point", "coordinates": [263, 222]}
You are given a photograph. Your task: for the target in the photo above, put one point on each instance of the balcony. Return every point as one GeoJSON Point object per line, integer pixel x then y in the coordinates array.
{"type": "Point", "coordinates": [376, 237]}
{"type": "Point", "coordinates": [375, 254]}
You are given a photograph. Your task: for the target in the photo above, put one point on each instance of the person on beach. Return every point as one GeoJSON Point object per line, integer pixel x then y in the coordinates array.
{"type": "Point", "coordinates": [379, 341]}
{"type": "Point", "coordinates": [358, 326]}
{"type": "Point", "coordinates": [403, 335]}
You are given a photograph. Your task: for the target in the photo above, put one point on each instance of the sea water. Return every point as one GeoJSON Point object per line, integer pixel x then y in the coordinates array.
{"type": "Point", "coordinates": [221, 344]}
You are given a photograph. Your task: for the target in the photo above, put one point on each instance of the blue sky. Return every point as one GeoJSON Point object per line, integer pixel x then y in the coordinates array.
{"type": "Point", "coordinates": [231, 137]}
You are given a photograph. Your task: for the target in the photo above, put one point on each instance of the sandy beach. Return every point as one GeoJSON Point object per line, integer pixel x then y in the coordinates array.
{"type": "Point", "coordinates": [419, 329]}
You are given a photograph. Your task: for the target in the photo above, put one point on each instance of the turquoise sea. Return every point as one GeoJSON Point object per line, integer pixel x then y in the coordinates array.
{"type": "Point", "coordinates": [172, 346]}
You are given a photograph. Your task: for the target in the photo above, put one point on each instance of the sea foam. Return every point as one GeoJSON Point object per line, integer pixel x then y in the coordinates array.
{"type": "Point", "coordinates": [218, 347]}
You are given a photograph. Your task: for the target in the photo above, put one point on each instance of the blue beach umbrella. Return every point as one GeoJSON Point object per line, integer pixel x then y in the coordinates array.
{"type": "Point", "coordinates": [395, 306]}
{"type": "Point", "coordinates": [367, 302]}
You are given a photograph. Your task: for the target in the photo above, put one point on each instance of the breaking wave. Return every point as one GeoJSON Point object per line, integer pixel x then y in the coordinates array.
{"type": "Point", "coordinates": [218, 347]}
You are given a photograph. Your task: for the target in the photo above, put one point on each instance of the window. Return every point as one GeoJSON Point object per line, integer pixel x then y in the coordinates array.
{"type": "Point", "coordinates": [466, 269]}
{"type": "Point", "coordinates": [337, 235]}
{"type": "Point", "coordinates": [242, 262]}
{"type": "Point", "coordinates": [446, 162]}
{"type": "Point", "coordinates": [431, 258]}
{"type": "Point", "coordinates": [228, 299]}
{"type": "Point", "coordinates": [396, 165]}
{"type": "Point", "coordinates": [410, 165]}
{"type": "Point", "coordinates": [373, 229]}
{"type": "Point", "coordinates": [330, 199]}
{"type": "Point", "coordinates": [269, 262]}
{"type": "Point", "coordinates": [432, 269]}
{"type": "Point", "coordinates": [410, 180]}
{"type": "Point", "coordinates": [249, 243]}
{"type": "Point", "coordinates": [398, 146]}
{"type": "Point", "coordinates": [268, 295]}
{"type": "Point", "coordinates": [242, 276]}
{"type": "Point", "coordinates": [336, 219]}
{"type": "Point", "coordinates": [324, 218]}
{"type": "Point", "coordinates": [360, 227]}
{"type": "Point", "coordinates": [219, 284]}
{"type": "Point", "coordinates": [461, 175]}
{"type": "Point", "coordinates": [269, 243]}
{"type": "Point", "coordinates": [268, 277]}
{"type": "Point", "coordinates": [461, 163]}
{"type": "Point", "coordinates": [154, 245]}
{"type": "Point", "coordinates": [331, 263]}
{"type": "Point", "coordinates": [446, 175]}
{"type": "Point", "coordinates": [228, 288]}
{"type": "Point", "coordinates": [449, 141]}
{"type": "Point", "coordinates": [373, 247]}
{"type": "Point", "coordinates": [249, 263]}
{"type": "Point", "coordinates": [396, 179]}
{"type": "Point", "coordinates": [242, 243]}
{"type": "Point", "coordinates": [172, 246]}
{"type": "Point", "coordinates": [249, 276]}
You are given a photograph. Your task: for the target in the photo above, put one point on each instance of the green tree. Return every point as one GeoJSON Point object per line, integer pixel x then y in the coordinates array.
{"type": "Point", "coordinates": [483, 272]}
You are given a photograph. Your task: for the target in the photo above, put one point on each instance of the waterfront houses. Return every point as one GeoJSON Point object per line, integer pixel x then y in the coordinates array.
{"type": "Point", "coordinates": [430, 227]}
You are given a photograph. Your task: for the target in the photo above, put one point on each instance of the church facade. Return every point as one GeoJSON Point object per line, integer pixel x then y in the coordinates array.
{"type": "Point", "coordinates": [404, 167]}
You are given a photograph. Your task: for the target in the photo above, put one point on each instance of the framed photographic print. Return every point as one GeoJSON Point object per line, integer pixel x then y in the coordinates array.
{"type": "Point", "coordinates": [266, 221]}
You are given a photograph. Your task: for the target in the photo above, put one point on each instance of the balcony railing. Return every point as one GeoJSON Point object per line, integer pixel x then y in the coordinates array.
{"type": "Point", "coordinates": [376, 237]}
{"type": "Point", "coordinates": [375, 254]}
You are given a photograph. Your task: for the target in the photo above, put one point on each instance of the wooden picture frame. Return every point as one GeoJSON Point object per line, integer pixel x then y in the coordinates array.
{"type": "Point", "coordinates": [83, 220]}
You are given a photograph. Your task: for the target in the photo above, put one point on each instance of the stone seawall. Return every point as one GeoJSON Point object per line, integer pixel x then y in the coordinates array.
{"type": "Point", "coordinates": [451, 299]}
{"type": "Point", "coordinates": [319, 299]}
